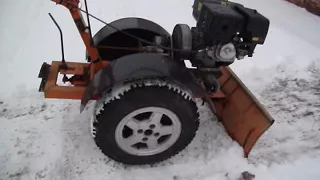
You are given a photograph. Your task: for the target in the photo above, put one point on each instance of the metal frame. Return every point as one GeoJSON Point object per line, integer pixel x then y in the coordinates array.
{"type": "Point", "coordinates": [52, 90]}
{"type": "Point", "coordinates": [82, 72]}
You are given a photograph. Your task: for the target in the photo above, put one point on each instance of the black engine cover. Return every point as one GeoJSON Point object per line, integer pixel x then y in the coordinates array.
{"type": "Point", "coordinates": [257, 26]}
{"type": "Point", "coordinates": [219, 23]}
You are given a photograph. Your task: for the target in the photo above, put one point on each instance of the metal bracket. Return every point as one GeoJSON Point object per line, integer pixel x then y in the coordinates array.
{"type": "Point", "coordinates": [44, 72]}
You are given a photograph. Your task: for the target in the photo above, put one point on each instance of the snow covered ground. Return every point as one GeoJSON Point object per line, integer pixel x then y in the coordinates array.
{"type": "Point", "coordinates": [48, 139]}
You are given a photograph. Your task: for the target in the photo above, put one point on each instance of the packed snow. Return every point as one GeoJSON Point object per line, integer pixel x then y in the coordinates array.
{"type": "Point", "coordinates": [49, 139]}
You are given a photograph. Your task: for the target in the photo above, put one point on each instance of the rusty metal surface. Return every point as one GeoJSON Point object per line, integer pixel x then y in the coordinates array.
{"type": "Point", "coordinates": [79, 70]}
{"type": "Point", "coordinates": [52, 90]}
{"type": "Point", "coordinates": [242, 115]}
{"type": "Point", "coordinates": [75, 12]}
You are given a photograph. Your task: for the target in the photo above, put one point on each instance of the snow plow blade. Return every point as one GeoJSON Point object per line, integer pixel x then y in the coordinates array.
{"type": "Point", "coordinates": [242, 115]}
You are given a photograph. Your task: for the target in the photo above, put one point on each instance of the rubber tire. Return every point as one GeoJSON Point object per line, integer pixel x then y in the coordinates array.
{"type": "Point", "coordinates": [137, 98]}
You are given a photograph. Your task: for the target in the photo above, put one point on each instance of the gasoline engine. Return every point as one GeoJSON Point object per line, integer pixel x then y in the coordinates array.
{"type": "Point", "coordinates": [224, 31]}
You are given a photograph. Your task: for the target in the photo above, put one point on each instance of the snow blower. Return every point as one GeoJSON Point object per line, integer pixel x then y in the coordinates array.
{"type": "Point", "coordinates": [145, 96]}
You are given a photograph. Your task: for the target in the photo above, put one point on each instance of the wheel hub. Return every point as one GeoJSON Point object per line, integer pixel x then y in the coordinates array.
{"type": "Point", "coordinates": [148, 131]}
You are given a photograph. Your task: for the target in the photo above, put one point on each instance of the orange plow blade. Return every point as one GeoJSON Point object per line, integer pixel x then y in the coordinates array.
{"type": "Point", "coordinates": [242, 115]}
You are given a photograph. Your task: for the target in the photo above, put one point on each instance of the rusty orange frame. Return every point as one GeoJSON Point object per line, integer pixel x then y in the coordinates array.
{"type": "Point", "coordinates": [72, 5]}
{"type": "Point", "coordinates": [52, 90]}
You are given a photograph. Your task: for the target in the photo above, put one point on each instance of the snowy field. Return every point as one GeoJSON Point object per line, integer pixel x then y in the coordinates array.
{"type": "Point", "coordinates": [48, 139]}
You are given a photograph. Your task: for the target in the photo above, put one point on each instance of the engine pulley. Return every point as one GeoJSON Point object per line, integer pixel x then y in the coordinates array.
{"type": "Point", "coordinates": [226, 53]}
{"type": "Point", "coordinates": [182, 40]}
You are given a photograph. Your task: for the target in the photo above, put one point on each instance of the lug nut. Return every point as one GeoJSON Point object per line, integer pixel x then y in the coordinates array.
{"type": "Point", "coordinates": [140, 131]}
{"type": "Point", "coordinates": [152, 126]}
